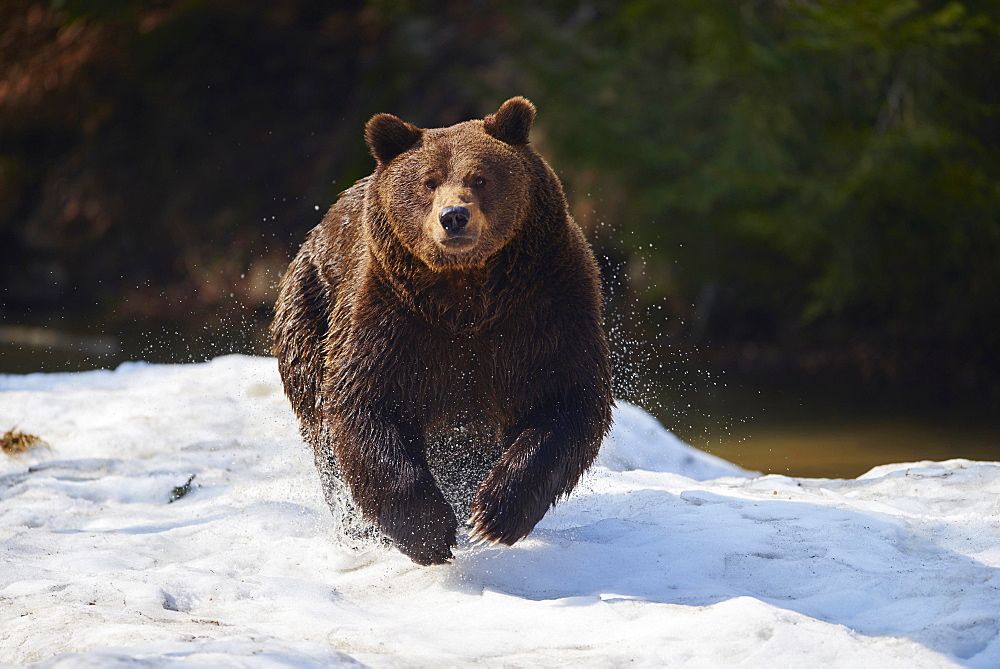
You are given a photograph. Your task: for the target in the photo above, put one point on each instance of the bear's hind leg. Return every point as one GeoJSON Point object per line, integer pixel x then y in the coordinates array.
{"type": "Point", "coordinates": [297, 334]}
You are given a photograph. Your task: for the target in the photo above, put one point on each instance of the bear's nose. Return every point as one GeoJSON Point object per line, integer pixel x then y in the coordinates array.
{"type": "Point", "coordinates": [453, 219]}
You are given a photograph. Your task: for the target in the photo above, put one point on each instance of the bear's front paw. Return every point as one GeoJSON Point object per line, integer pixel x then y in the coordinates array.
{"type": "Point", "coordinates": [428, 547]}
{"type": "Point", "coordinates": [504, 512]}
{"type": "Point", "coordinates": [424, 528]}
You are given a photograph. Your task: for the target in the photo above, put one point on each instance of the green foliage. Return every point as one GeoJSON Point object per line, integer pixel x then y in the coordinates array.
{"type": "Point", "coordinates": [800, 173]}
{"type": "Point", "coordinates": [812, 160]}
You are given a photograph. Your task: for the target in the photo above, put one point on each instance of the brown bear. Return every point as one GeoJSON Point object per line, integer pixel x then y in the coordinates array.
{"type": "Point", "coordinates": [439, 336]}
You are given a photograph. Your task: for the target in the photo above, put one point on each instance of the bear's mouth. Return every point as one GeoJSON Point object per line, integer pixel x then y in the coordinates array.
{"type": "Point", "coordinates": [458, 242]}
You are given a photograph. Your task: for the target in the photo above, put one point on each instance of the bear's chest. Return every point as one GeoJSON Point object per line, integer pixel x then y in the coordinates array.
{"type": "Point", "coordinates": [453, 381]}
{"type": "Point", "coordinates": [463, 358]}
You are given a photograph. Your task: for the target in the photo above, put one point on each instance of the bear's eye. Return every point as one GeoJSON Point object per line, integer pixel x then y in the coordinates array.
{"type": "Point", "coordinates": [478, 182]}
{"type": "Point", "coordinates": [430, 184]}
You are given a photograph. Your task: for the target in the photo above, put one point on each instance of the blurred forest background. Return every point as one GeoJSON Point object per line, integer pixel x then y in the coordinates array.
{"type": "Point", "coordinates": [794, 191]}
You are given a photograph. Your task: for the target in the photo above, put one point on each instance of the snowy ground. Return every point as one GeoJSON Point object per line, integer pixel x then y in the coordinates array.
{"type": "Point", "coordinates": [663, 556]}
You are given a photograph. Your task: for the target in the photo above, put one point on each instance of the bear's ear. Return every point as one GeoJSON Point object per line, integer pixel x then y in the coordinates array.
{"type": "Point", "coordinates": [512, 122]}
{"type": "Point", "coordinates": [388, 136]}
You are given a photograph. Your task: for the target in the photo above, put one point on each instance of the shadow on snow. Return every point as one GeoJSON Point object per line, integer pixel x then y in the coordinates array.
{"type": "Point", "coordinates": [868, 572]}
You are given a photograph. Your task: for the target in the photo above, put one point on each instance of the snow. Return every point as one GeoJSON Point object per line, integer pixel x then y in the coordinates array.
{"type": "Point", "coordinates": [664, 555]}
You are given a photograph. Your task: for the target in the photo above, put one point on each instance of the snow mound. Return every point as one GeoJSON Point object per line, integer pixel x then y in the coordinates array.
{"type": "Point", "coordinates": [639, 441]}
{"type": "Point", "coordinates": [661, 556]}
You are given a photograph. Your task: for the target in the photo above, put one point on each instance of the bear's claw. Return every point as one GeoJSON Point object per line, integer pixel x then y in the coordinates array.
{"type": "Point", "coordinates": [495, 528]}
{"type": "Point", "coordinates": [479, 535]}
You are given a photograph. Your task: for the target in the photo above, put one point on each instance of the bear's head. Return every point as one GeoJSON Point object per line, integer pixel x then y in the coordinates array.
{"type": "Point", "coordinates": [454, 196]}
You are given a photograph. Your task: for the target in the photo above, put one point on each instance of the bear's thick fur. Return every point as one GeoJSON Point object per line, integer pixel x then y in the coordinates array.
{"type": "Point", "coordinates": [439, 336]}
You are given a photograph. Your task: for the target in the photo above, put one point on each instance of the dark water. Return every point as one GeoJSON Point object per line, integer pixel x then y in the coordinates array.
{"type": "Point", "coordinates": [793, 425]}
{"type": "Point", "coordinates": [800, 426]}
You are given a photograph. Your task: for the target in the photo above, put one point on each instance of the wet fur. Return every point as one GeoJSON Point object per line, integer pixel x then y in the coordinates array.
{"type": "Point", "coordinates": [430, 382]}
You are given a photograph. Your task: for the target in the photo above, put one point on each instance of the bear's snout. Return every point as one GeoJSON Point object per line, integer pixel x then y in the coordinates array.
{"type": "Point", "coordinates": [454, 219]}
